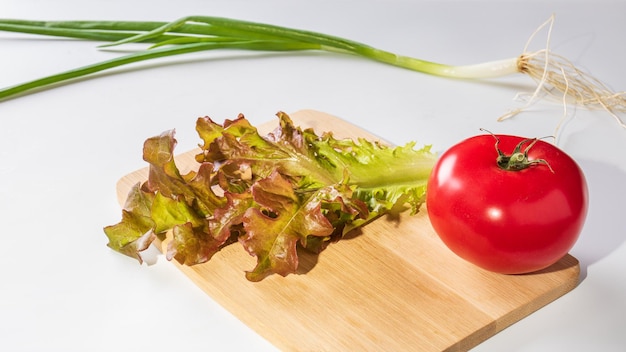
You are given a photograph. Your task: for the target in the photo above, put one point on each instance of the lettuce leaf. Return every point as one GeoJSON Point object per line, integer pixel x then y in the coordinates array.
{"type": "Point", "coordinates": [278, 223]}
{"type": "Point", "coordinates": [272, 194]}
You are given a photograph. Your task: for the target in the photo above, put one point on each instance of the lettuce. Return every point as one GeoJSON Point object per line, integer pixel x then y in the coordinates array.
{"type": "Point", "coordinates": [272, 194]}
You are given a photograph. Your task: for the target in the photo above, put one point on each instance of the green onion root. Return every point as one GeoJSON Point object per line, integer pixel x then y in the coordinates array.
{"type": "Point", "coordinates": [558, 77]}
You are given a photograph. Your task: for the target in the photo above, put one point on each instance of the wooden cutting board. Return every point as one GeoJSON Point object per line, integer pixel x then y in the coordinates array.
{"type": "Point", "coordinates": [393, 286]}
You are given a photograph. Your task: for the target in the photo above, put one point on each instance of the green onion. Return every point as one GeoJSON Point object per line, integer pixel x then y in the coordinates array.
{"type": "Point", "coordinates": [552, 73]}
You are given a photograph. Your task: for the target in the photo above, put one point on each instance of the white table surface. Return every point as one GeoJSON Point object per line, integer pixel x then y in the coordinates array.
{"type": "Point", "coordinates": [62, 151]}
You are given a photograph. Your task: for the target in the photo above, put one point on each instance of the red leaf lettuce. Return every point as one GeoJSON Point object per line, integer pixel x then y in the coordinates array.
{"type": "Point", "coordinates": [271, 194]}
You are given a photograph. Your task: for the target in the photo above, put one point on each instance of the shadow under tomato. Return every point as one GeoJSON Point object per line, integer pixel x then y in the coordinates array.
{"type": "Point", "coordinates": [604, 229]}
{"type": "Point", "coordinates": [564, 263]}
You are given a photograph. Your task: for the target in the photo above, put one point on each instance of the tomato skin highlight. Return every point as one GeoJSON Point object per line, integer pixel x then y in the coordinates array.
{"type": "Point", "coordinates": [509, 222]}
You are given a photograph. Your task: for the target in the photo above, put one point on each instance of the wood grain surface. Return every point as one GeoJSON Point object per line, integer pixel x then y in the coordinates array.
{"type": "Point", "coordinates": [393, 286]}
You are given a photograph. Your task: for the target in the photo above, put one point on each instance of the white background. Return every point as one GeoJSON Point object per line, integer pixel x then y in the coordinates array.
{"type": "Point", "coordinates": [62, 151]}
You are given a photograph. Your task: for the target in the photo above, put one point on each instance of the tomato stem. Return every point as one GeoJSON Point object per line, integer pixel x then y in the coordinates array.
{"type": "Point", "coordinates": [518, 160]}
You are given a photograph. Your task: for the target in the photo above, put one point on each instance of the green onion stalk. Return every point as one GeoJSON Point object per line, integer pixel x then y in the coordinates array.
{"type": "Point", "coordinates": [554, 74]}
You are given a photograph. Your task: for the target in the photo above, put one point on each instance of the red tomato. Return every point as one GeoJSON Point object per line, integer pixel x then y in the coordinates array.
{"type": "Point", "coordinates": [508, 221]}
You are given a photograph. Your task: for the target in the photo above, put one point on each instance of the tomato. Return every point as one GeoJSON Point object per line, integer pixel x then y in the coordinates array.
{"type": "Point", "coordinates": [511, 220]}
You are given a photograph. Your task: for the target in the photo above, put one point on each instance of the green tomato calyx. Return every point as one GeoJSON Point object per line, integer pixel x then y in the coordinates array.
{"type": "Point", "coordinates": [518, 160]}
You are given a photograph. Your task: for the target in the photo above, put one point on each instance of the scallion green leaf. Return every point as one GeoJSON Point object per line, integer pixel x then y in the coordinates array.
{"type": "Point", "coordinates": [198, 33]}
